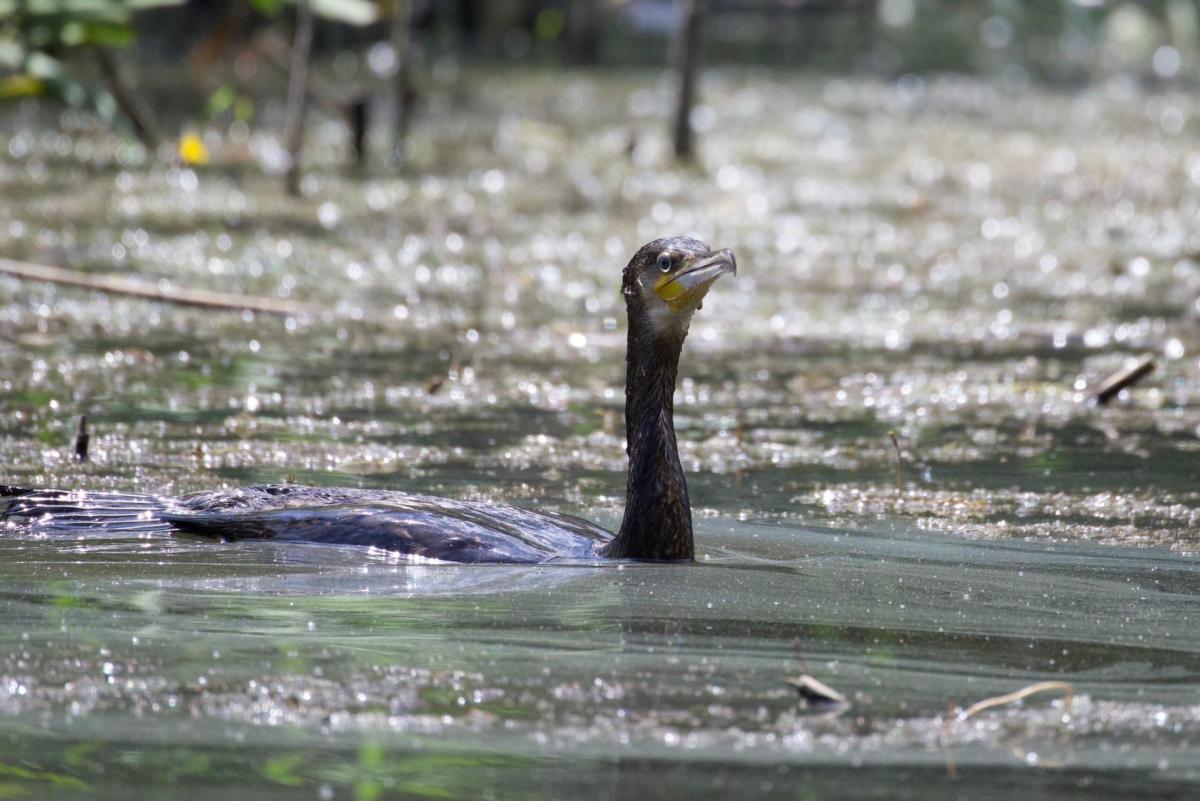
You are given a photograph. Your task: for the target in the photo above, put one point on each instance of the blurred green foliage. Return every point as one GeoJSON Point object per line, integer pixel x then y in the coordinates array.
{"type": "Point", "coordinates": [351, 12]}
{"type": "Point", "coordinates": [50, 24]}
{"type": "Point", "coordinates": [227, 99]}
{"type": "Point", "coordinates": [38, 36]}
{"type": "Point", "coordinates": [35, 33]}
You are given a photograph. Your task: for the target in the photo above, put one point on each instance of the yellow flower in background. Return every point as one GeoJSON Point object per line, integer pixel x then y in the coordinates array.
{"type": "Point", "coordinates": [14, 86]}
{"type": "Point", "coordinates": [192, 150]}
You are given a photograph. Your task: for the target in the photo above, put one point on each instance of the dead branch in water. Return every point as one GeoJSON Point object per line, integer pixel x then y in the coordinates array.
{"type": "Point", "coordinates": [401, 36]}
{"type": "Point", "coordinates": [899, 461]}
{"type": "Point", "coordinates": [583, 32]}
{"type": "Point", "coordinates": [271, 44]}
{"type": "Point", "coordinates": [297, 100]}
{"type": "Point", "coordinates": [81, 439]}
{"type": "Point", "coordinates": [685, 76]}
{"type": "Point", "coordinates": [1068, 691]}
{"type": "Point", "coordinates": [278, 53]}
{"type": "Point", "coordinates": [1125, 377]}
{"type": "Point", "coordinates": [357, 114]}
{"type": "Point", "coordinates": [128, 99]}
{"type": "Point", "coordinates": [120, 285]}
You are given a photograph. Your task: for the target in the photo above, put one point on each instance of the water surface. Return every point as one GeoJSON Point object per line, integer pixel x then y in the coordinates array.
{"type": "Point", "coordinates": [953, 261]}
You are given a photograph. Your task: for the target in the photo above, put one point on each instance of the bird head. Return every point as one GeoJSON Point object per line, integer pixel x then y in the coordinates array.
{"type": "Point", "coordinates": [667, 279]}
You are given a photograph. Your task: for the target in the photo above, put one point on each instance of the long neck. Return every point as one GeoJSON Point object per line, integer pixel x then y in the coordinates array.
{"type": "Point", "coordinates": [658, 517]}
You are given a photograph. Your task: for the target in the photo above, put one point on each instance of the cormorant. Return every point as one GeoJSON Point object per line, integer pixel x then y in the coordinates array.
{"type": "Point", "coordinates": [663, 285]}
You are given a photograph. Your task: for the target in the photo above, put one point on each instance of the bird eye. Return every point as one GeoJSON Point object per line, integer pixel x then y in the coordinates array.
{"type": "Point", "coordinates": [664, 262]}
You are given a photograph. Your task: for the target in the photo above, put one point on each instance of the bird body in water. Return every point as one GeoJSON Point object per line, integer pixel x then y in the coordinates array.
{"type": "Point", "coordinates": [663, 286]}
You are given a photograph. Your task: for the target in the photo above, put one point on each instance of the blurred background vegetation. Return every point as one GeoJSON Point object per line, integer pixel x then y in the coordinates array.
{"type": "Point", "coordinates": [161, 69]}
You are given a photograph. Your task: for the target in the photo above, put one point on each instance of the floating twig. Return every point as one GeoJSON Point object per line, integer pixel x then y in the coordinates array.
{"type": "Point", "coordinates": [120, 285]}
{"type": "Point", "coordinates": [1066, 688]}
{"type": "Point", "coordinates": [1125, 377]}
{"type": "Point", "coordinates": [817, 693]}
{"type": "Point", "coordinates": [81, 439]}
{"type": "Point", "coordinates": [899, 461]}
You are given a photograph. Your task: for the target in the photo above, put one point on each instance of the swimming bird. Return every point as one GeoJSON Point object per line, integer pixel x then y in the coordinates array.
{"type": "Point", "coordinates": [663, 284]}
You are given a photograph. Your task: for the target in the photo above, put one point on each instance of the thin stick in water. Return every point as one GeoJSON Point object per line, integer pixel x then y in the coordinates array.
{"type": "Point", "coordinates": [81, 439]}
{"type": "Point", "coordinates": [357, 114]}
{"type": "Point", "coordinates": [298, 93]}
{"type": "Point", "coordinates": [130, 102]}
{"type": "Point", "coordinates": [278, 53]}
{"type": "Point", "coordinates": [1067, 689]}
{"type": "Point", "coordinates": [583, 32]}
{"type": "Point", "coordinates": [685, 76]}
{"type": "Point", "coordinates": [899, 461]}
{"type": "Point", "coordinates": [120, 285]}
{"type": "Point", "coordinates": [401, 35]}
{"type": "Point", "coordinates": [1125, 377]}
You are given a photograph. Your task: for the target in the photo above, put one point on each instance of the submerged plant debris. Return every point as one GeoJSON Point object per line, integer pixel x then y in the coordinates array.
{"type": "Point", "coordinates": [953, 260]}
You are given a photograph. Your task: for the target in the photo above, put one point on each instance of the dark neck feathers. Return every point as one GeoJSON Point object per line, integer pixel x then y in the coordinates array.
{"type": "Point", "coordinates": [658, 517]}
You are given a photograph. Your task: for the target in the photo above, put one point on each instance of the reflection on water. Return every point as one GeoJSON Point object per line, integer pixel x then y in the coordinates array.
{"type": "Point", "coordinates": [957, 264]}
{"type": "Point", "coordinates": [438, 672]}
